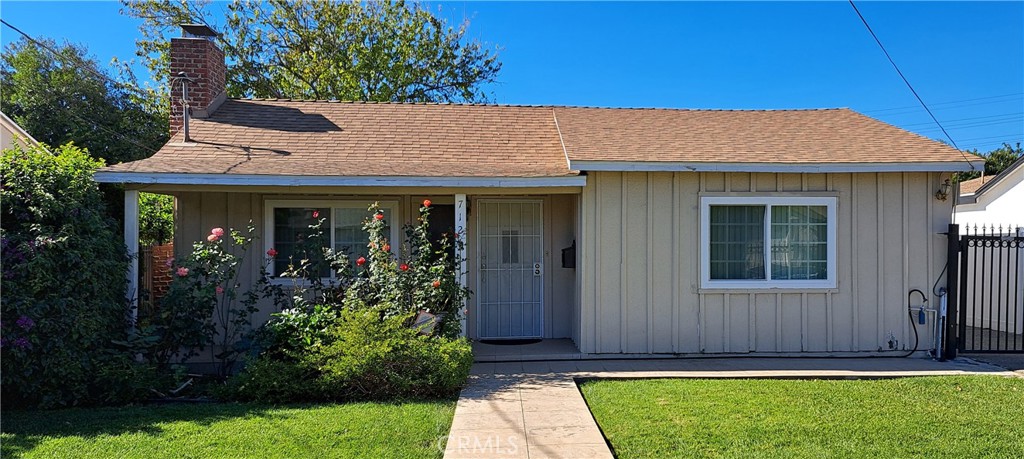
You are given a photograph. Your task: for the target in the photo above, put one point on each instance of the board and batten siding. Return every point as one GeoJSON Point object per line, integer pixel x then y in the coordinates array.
{"type": "Point", "coordinates": [197, 212]}
{"type": "Point", "coordinates": [640, 259]}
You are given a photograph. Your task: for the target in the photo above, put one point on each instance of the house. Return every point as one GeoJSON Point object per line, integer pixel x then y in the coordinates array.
{"type": "Point", "coordinates": [990, 209]}
{"type": "Point", "coordinates": [12, 134]}
{"type": "Point", "coordinates": [993, 201]}
{"type": "Point", "coordinates": [694, 231]}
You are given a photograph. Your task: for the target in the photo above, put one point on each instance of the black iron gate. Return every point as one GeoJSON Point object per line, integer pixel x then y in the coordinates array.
{"type": "Point", "coordinates": [989, 295]}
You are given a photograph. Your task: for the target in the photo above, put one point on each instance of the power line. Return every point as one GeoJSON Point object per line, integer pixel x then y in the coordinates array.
{"type": "Point", "coordinates": [960, 126]}
{"type": "Point", "coordinates": [62, 58]}
{"type": "Point", "coordinates": [1004, 136]}
{"type": "Point", "coordinates": [1000, 116]}
{"type": "Point", "coordinates": [97, 74]}
{"type": "Point", "coordinates": [905, 80]}
{"type": "Point", "coordinates": [1009, 97]}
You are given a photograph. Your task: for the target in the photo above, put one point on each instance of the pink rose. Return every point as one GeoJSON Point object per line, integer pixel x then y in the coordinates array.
{"type": "Point", "coordinates": [219, 232]}
{"type": "Point", "coordinates": [272, 253]}
{"type": "Point", "coordinates": [316, 214]}
{"type": "Point", "coordinates": [182, 271]}
{"type": "Point", "coordinates": [220, 290]}
{"type": "Point", "coordinates": [169, 263]}
{"type": "Point", "coordinates": [212, 238]}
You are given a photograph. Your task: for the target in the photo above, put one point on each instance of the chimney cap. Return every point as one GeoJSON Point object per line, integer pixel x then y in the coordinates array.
{"type": "Point", "coordinates": [198, 31]}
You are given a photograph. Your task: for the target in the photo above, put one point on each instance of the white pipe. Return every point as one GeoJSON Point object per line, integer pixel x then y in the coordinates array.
{"type": "Point", "coordinates": [941, 323]}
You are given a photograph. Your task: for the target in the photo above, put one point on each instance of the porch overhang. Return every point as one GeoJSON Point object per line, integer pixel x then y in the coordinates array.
{"type": "Point", "coordinates": [331, 181]}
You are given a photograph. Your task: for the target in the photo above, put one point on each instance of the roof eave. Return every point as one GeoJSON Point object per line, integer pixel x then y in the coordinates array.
{"type": "Point", "coordinates": [661, 166]}
{"type": "Point", "coordinates": [165, 178]}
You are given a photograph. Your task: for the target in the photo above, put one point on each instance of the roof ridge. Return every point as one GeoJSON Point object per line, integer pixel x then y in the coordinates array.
{"type": "Point", "coordinates": [550, 106]}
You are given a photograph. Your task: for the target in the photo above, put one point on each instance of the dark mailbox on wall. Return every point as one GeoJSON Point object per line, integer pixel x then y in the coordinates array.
{"type": "Point", "coordinates": [569, 256]}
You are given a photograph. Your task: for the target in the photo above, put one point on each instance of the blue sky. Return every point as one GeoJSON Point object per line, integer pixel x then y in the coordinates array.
{"type": "Point", "coordinates": [965, 59]}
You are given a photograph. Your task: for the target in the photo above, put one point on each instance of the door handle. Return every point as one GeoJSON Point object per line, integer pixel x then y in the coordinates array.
{"type": "Point", "coordinates": [538, 269]}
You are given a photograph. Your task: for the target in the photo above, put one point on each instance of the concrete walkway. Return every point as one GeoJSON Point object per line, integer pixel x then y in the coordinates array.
{"type": "Point", "coordinates": [535, 410]}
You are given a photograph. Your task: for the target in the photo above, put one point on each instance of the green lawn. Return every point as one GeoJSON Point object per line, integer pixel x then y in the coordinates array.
{"type": "Point", "coordinates": [962, 416]}
{"type": "Point", "coordinates": [378, 430]}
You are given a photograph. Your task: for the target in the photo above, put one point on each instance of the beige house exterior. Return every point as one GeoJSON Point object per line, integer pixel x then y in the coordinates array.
{"type": "Point", "coordinates": [11, 134]}
{"type": "Point", "coordinates": [627, 232]}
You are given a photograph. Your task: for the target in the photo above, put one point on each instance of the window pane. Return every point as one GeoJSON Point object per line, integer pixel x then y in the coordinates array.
{"type": "Point", "coordinates": [737, 242]}
{"type": "Point", "coordinates": [349, 237]}
{"type": "Point", "coordinates": [799, 242]}
{"type": "Point", "coordinates": [510, 246]}
{"type": "Point", "coordinates": [291, 232]}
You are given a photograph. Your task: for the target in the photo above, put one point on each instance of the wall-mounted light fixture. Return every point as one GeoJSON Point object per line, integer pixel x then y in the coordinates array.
{"type": "Point", "coordinates": [943, 193]}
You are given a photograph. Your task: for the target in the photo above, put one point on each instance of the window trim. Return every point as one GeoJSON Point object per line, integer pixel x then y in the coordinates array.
{"type": "Point", "coordinates": [390, 211]}
{"type": "Point", "coordinates": [830, 203]}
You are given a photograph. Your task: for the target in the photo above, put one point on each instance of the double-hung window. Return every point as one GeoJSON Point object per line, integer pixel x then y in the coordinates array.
{"type": "Point", "coordinates": [768, 242]}
{"type": "Point", "coordinates": [288, 227]}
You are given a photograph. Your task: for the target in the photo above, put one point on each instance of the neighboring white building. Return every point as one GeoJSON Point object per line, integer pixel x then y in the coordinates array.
{"type": "Point", "coordinates": [993, 200]}
{"type": "Point", "coordinates": [10, 133]}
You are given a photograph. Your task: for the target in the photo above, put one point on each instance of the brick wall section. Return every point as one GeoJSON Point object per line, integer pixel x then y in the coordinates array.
{"type": "Point", "coordinates": [203, 62]}
{"type": "Point", "coordinates": [160, 275]}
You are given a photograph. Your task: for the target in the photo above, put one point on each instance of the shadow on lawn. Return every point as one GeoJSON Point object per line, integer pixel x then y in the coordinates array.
{"type": "Point", "coordinates": [24, 430]}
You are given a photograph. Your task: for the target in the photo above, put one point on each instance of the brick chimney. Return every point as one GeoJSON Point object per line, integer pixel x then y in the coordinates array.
{"type": "Point", "coordinates": [198, 60]}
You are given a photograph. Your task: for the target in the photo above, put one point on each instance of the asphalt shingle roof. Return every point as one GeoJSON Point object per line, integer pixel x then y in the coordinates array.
{"type": "Point", "coordinates": [284, 137]}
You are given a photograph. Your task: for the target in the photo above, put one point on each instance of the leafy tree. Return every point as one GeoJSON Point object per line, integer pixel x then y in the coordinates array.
{"type": "Point", "coordinates": [67, 97]}
{"type": "Point", "coordinates": [156, 218]}
{"type": "Point", "coordinates": [370, 51]}
{"type": "Point", "coordinates": [996, 161]}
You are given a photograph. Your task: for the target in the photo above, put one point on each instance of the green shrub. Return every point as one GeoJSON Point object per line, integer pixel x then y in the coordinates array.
{"type": "Point", "coordinates": [355, 339]}
{"type": "Point", "coordinates": [370, 357]}
{"type": "Point", "coordinates": [64, 284]}
{"type": "Point", "coordinates": [362, 356]}
{"type": "Point", "coordinates": [273, 381]}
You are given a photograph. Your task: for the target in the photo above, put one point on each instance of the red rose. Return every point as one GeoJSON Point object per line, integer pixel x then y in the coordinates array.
{"type": "Point", "coordinates": [272, 253]}
{"type": "Point", "coordinates": [316, 214]}
{"type": "Point", "coordinates": [426, 203]}
{"type": "Point", "coordinates": [404, 267]}
{"type": "Point", "coordinates": [436, 283]}
{"type": "Point", "coordinates": [379, 216]}
{"type": "Point", "coordinates": [387, 247]}
{"type": "Point", "coordinates": [361, 261]}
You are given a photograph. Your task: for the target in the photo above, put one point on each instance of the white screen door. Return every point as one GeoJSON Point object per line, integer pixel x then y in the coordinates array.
{"type": "Point", "coordinates": [510, 291]}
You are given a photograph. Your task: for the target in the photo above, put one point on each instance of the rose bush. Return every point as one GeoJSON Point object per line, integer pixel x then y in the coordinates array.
{"type": "Point", "coordinates": [353, 336]}
{"type": "Point", "coordinates": [206, 305]}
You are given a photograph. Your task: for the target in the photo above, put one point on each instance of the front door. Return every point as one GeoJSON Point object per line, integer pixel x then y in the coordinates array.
{"type": "Point", "coordinates": [510, 287]}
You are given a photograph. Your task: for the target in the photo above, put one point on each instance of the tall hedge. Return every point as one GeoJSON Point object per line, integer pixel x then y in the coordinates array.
{"type": "Point", "coordinates": [63, 283]}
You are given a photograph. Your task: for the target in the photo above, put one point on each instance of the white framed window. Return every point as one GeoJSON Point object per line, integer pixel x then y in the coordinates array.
{"type": "Point", "coordinates": [750, 242]}
{"type": "Point", "coordinates": [287, 226]}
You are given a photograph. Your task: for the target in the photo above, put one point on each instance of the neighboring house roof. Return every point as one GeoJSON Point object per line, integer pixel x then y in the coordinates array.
{"type": "Point", "coordinates": [970, 190]}
{"type": "Point", "coordinates": [972, 185]}
{"type": "Point", "coordinates": [325, 138]}
{"type": "Point", "coordinates": [13, 129]}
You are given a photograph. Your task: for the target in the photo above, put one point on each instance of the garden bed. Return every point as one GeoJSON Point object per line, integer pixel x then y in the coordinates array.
{"type": "Point", "coordinates": [961, 416]}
